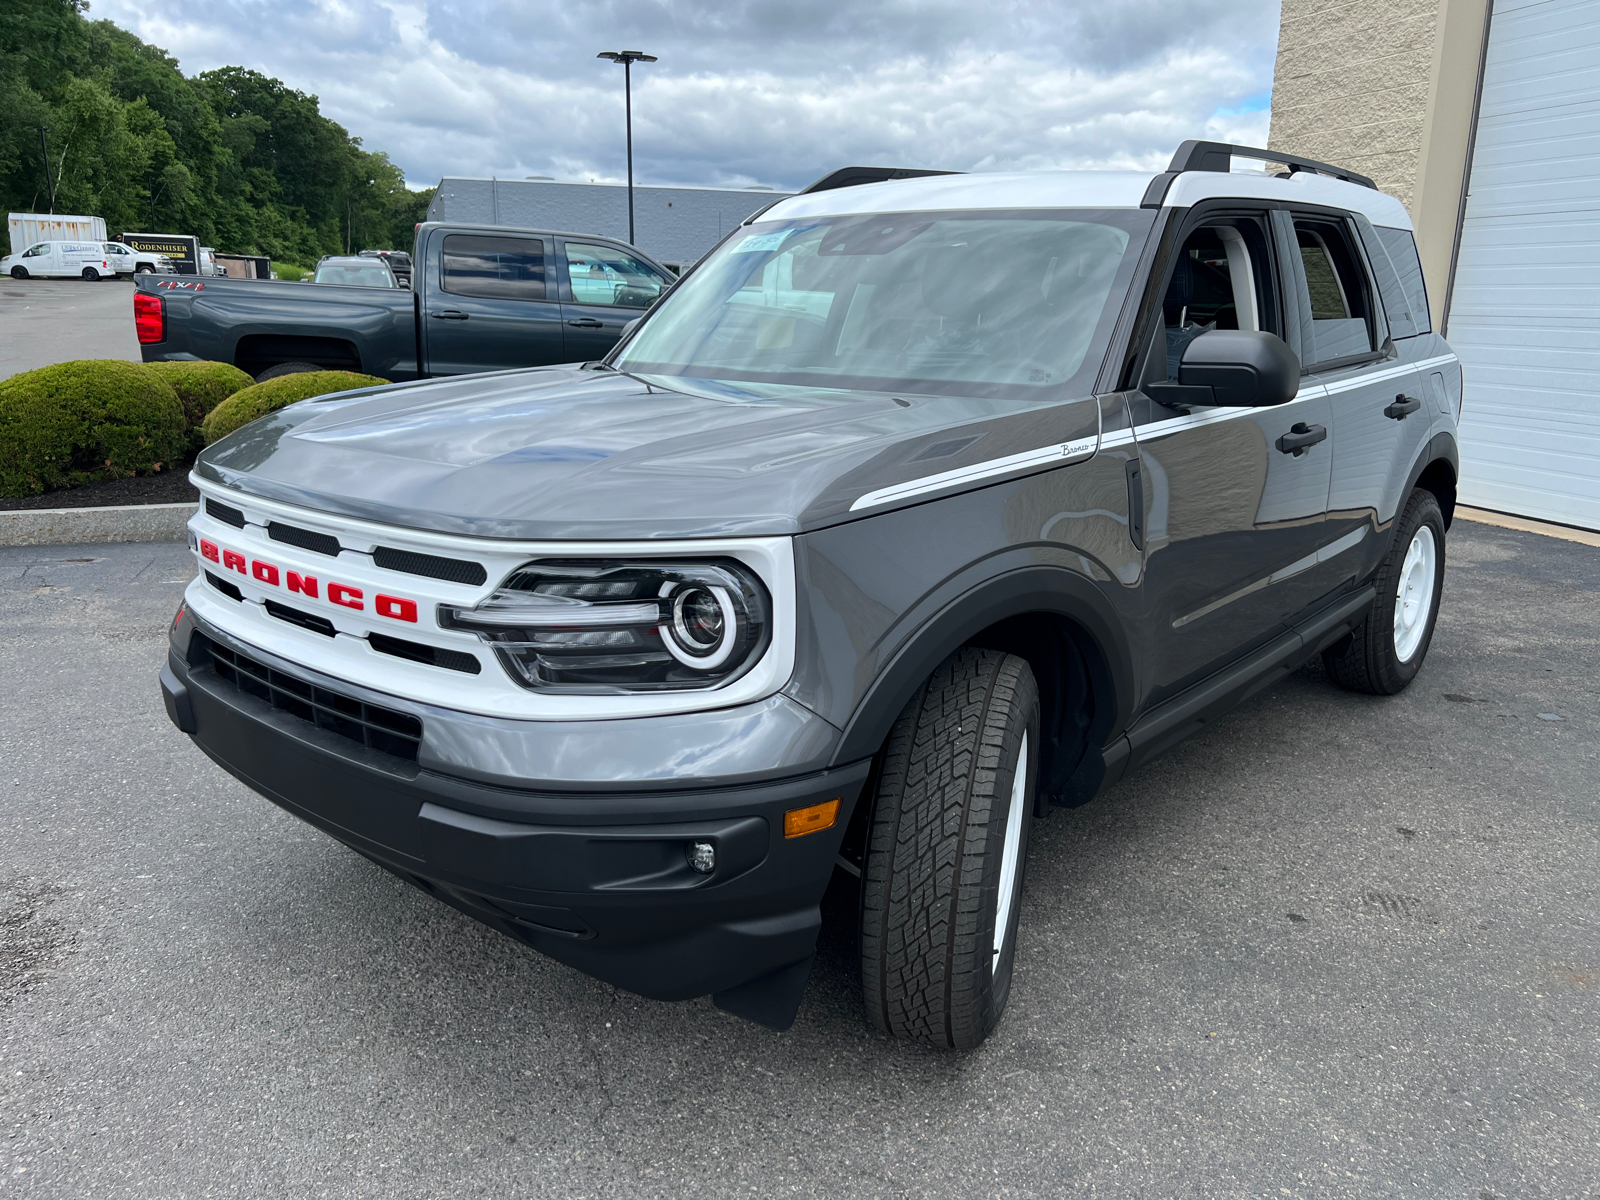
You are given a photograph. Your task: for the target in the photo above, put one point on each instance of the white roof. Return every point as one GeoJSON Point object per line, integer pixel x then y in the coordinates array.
{"type": "Point", "coordinates": [1086, 189]}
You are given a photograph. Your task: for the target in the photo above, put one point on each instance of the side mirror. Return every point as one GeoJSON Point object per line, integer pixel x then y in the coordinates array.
{"type": "Point", "coordinates": [1236, 368]}
{"type": "Point", "coordinates": [628, 328]}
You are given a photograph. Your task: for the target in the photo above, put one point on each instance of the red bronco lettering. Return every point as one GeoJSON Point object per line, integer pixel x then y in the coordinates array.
{"type": "Point", "coordinates": [395, 608]}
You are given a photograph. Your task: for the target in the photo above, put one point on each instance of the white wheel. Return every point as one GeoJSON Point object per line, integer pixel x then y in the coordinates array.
{"type": "Point", "coordinates": [1413, 601]}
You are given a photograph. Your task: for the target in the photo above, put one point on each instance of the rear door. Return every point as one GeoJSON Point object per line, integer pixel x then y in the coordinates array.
{"type": "Point", "coordinates": [1380, 417]}
{"type": "Point", "coordinates": [603, 288]}
{"type": "Point", "coordinates": [490, 304]}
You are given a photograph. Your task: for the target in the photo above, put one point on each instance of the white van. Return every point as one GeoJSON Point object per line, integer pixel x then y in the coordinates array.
{"type": "Point", "coordinates": [87, 260]}
{"type": "Point", "coordinates": [125, 260]}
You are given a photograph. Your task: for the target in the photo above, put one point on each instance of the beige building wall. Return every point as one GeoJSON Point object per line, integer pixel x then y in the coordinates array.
{"type": "Point", "coordinates": [1386, 87]}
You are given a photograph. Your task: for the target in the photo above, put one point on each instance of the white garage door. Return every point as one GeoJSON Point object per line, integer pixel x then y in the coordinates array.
{"type": "Point", "coordinates": [1525, 316]}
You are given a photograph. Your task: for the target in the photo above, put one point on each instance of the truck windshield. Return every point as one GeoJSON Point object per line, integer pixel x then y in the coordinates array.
{"type": "Point", "coordinates": [354, 276]}
{"type": "Point", "coordinates": [981, 303]}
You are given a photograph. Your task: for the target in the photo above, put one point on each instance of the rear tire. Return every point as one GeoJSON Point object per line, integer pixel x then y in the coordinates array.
{"type": "Point", "coordinates": [946, 849]}
{"type": "Point", "coordinates": [90, 275]}
{"type": "Point", "coordinates": [1385, 652]}
{"type": "Point", "coordinates": [19, 272]}
{"type": "Point", "coordinates": [288, 368]}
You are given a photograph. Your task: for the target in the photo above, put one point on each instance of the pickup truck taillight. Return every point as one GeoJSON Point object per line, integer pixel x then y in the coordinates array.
{"type": "Point", "coordinates": [149, 317]}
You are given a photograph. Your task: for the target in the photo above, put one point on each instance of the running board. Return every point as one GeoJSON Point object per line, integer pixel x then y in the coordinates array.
{"type": "Point", "coordinates": [1162, 728]}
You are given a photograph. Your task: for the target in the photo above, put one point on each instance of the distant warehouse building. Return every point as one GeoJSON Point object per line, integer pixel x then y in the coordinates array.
{"type": "Point", "coordinates": [675, 225]}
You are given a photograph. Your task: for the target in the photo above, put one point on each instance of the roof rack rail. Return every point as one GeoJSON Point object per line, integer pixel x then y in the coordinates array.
{"type": "Point", "coordinates": [853, 176]}
{"type": "Point", "coordinates": [1218, 156]}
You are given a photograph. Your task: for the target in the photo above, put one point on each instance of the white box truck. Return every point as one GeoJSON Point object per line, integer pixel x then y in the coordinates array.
{"type": "Point", "coordinates": [26, 229]}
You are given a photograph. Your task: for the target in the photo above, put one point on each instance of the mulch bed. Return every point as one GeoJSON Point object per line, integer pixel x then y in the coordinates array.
{"type": "Point", "coordinates": [169, 487]}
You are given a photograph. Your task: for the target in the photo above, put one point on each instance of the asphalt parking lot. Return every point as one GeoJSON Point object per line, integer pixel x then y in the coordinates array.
{"type": "Point", "coordinates": [1337, 946]}
{"type": "Point", "coordinates": [53, 320]}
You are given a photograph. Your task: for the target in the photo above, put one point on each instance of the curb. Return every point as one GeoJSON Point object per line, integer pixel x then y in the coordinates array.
{"type": "Point", "coordinates": [75, 526]}
{"type": "Point", "coordinates": [1528, 525]}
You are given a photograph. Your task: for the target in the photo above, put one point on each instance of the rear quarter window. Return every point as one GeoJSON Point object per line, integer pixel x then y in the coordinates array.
{"type": "Point", "coordinates": [1399, 271]}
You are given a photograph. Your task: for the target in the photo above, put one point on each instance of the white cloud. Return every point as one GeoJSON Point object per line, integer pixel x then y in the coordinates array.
{"type": "Point", "coordinates": [752, 91]}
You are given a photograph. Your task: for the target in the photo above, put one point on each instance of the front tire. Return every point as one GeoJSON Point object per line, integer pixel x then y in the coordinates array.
{"type": "Point", "coordinates": [946, 852]}
{"type": "Point", "coordinates": [1385, 652]}
{"type": "Point", "coordinates": [19, 272]}
{"type": "Point", "coordinates": [144, 269]}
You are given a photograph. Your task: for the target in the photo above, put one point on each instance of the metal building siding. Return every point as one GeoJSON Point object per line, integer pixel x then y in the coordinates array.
{"type": "Point", "coordinates": [674, 225]}
{"type": "Point", "coordinates": [1525, 312]}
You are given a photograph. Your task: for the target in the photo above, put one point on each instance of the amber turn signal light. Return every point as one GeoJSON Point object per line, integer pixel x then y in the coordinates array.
{"type": "Point", "coordinates": [798, 822]}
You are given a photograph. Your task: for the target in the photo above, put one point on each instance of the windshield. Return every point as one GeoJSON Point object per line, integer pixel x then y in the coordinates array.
{"type": "Point", "coordinates": [985, 303]}
{"type": "Point", "coordinates": [354, 276]}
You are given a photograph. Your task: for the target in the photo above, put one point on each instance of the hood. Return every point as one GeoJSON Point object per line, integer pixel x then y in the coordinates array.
{"type": "Point", "coordinates": [570, 453]}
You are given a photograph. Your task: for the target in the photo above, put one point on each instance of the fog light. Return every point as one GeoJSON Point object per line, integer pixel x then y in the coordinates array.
{"type": "Point", "coordinates": [702, 857]}
{"type": "Point", "coordinates": [798, 822]}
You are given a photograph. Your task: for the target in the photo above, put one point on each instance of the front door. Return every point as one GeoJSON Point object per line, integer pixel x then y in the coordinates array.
{"type": "Point", "coordinates": [1237, 496]}
{"type": "Point", "coordinates": [605, 288]}
{"type": "Point", "coordinates": [491, 307]}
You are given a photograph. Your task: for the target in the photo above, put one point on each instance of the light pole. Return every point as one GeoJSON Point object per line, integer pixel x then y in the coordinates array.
{"type": "Point", "coordinates": [627, 58]}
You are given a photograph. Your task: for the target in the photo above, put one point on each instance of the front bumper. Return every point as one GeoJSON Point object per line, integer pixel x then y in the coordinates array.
{"type": "Point", "coordinates": [596, 878]}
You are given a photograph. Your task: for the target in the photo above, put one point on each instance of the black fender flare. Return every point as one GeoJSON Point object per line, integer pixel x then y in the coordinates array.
{"type": "Point", "coordinates": [1441, 447]}
{"type": "Point", "coordinates": [943, 624]}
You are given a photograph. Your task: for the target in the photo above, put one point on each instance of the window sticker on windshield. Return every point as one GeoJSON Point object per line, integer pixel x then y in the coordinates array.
{"type": "Point", "coordinates": [759, 242]}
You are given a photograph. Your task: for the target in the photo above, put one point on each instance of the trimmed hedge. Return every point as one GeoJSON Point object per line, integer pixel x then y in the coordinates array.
{"type": "Point", "coordinates": [239, 409]}
{"type": "Point", "coordinates": [201, 386]}
{"type": "Point", "coordinates": [78, 422]}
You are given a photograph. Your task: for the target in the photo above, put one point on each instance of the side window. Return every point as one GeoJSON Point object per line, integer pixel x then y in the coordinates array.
{"type": "Point", "coordinates": [1341, 310]}
{"type": "Point", "coordinates": [496, 268]}
{"type": "Point", "coordinates": [1401, 250]}
{"type": "Point", "coordinates": [1221, 279]}
{"type": "Point", "coordinates": [602, 275]}
{"type": "Point", "coordinates": [36, 251]}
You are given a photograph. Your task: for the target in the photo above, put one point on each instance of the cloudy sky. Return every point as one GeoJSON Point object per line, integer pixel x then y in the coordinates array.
{"type": "Point", "coordinates": [748, 91]}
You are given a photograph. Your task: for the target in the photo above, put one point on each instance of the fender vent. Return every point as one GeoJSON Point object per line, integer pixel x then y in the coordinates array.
{"type": "Point", "coordinates": [224, 512]}
{"type": "Point", "coordinates": [306, 539]}
{"type": "Point", "coordinates": [454, 570]}
{"type": "Point", "coordinates": [380, 729]}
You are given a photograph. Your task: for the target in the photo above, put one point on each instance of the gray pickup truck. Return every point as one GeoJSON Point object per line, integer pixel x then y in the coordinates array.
{"type": "Point", "coordinates": [482, 299]}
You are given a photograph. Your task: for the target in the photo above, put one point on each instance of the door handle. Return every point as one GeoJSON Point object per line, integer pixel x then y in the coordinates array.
{"type": "Point", "coordinates": [587, 323]}
{"type": "Point", "coordinates": [1402, 407]}
{"type": "Point", "coordinates": [1301, 437]}
{"type": "Point", "coordinates": [449, 314]}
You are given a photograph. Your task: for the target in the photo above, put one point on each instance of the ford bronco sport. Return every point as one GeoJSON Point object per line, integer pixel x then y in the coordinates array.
{"type": "Point", "coordinates": [924, 503]}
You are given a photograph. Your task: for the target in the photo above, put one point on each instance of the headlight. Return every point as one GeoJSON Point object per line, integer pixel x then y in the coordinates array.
{"type": "Point", "coordinates": [623, 625]}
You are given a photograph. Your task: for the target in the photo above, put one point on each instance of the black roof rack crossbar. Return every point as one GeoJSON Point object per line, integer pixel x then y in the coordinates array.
{"type": "Point", "coordinates": [852, 176]}
{"type": "Point", "coordinates": [1219, 156]}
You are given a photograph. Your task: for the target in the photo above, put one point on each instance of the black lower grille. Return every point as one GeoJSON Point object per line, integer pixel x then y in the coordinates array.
{"type": "Point", "coordinates": [434, 656]}
{"type": "Point", "coordinates": [306, 539]}
{"type": "Point", "coordinates": [455, 570]}
{"type": "Point", "coordinates": [380, 729]}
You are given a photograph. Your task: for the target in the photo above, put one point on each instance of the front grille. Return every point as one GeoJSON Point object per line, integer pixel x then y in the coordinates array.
{"type": "Point", "coordinates": [454, 570]}
{"type": "Point", "coordinates": [224, 512]}
{"type": "Point", "coordinates": [226, 588]}
{"type": "Point", "coordinates": [305, 620]}
{"type": "Point", "coordinates": [306, 539]}
{"type": "Point", "coordinates": [433, 656]}
{"type": "Point", "coordinates": [380, 729]}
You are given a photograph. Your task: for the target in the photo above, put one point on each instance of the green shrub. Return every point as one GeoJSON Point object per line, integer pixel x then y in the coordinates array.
{"type": "Point", "coordinates": [201, 386]}
{"type": "Point", "coordinates": [290, 272]}
{"type": "Point", "coordinates": [239, 409]}
{"type": "Point", "coordinates": [77, 422]}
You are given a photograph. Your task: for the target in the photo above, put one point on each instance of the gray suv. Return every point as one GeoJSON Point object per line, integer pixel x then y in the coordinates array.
{"type": "Point", "coordinates": [922, 505]}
